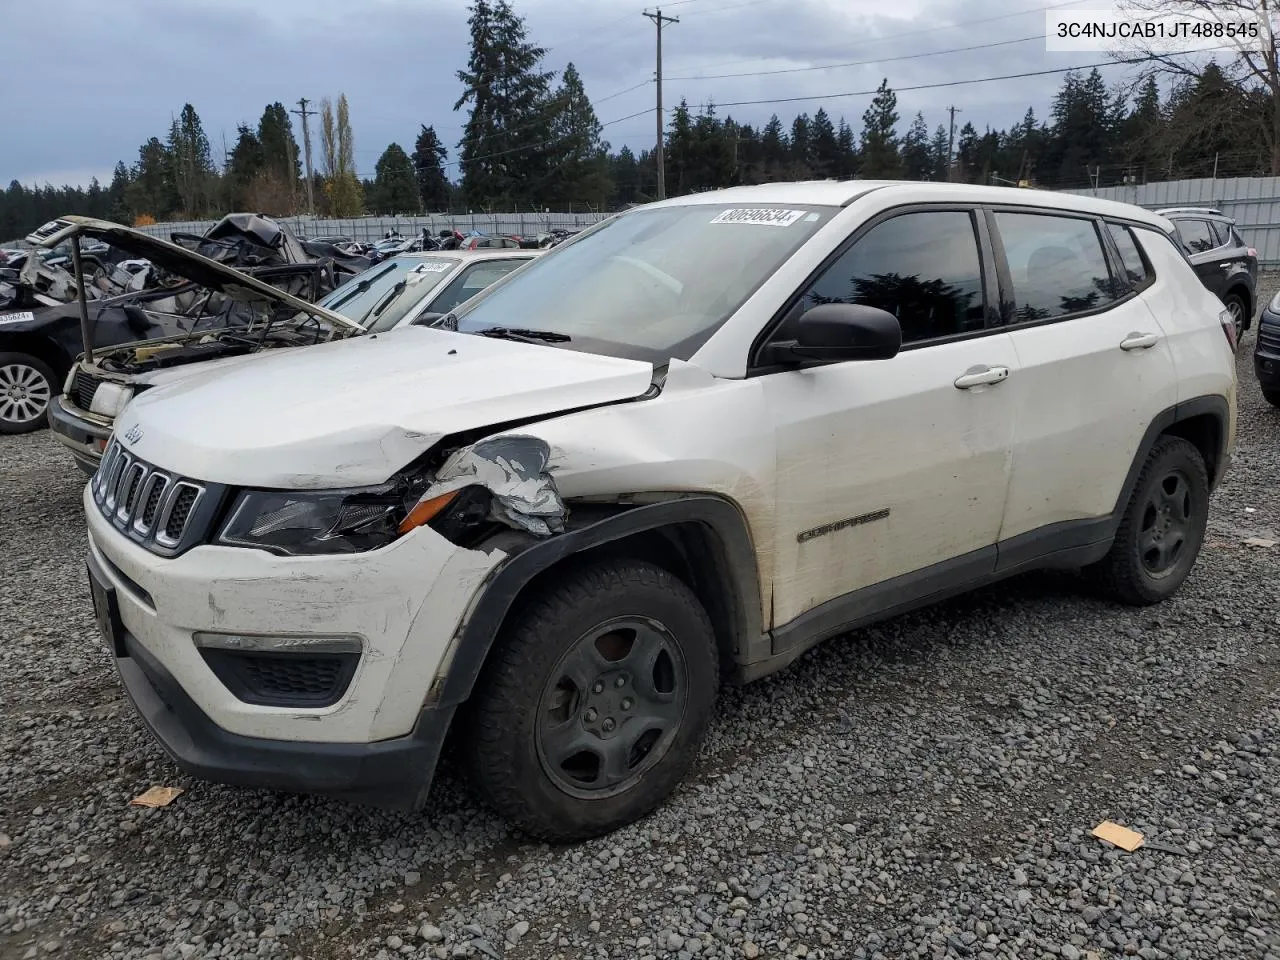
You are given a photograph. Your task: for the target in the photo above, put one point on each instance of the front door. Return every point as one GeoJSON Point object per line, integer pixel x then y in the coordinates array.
{"type": "Point", "coordinates": [889, 468]}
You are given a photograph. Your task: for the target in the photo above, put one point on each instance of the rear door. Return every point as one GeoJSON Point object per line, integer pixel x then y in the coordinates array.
{"type": "Point", "coordinates": [1095, 370]}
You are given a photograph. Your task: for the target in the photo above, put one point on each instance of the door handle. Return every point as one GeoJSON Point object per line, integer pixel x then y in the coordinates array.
{"type": "Point", "coordinates": [980, 376]}
{"type": "Point", "coordinates": [1139, 341]}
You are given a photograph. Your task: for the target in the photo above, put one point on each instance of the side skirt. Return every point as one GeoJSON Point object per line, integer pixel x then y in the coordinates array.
{"type": "Point", "coordinates": [1062, 545]}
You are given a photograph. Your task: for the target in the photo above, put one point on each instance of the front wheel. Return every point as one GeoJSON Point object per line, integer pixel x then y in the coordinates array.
{"type": "Point", "coordinates": [594, 702]}
{"type": "Point", "coordinates": [1162, 528]}
{"type": "Point", "coordinates": [1271, 396]}
{"type": "Point", "coordinates": [26, 387]}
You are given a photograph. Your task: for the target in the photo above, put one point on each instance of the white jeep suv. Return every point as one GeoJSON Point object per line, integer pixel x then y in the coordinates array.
{"type": "Point", "coordinates": [680, 449]}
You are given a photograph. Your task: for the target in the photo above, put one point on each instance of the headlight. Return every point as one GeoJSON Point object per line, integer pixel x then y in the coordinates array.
{"type": "Point", "coordinates": [1274, 305]}
{"type": "Point", "coordinates": [109, 399]}
{"type": "Point", "coordinates": [341, 521]}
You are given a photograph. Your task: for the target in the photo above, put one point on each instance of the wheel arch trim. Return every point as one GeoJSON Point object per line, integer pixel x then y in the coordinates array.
{"type": "Point", "coordinates": [721, 519]}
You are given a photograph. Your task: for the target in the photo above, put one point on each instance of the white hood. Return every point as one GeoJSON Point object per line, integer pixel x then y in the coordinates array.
{"type": "Point", "coordinates": [352, 412]}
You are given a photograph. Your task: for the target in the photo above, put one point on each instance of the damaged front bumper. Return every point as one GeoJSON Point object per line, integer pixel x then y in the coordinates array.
{"type": "Point", "coordinates": [83, 437]}
{"type": "Point", "coordinates": [400, 607]}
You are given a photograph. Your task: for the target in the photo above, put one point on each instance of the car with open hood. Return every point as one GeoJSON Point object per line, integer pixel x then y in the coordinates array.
{"type": "Point", "coordinates": [679, 449]}
{"type": "Point", "coordinates": [127, 298]}
{"type": "Point", "coordinates": [239, 321]}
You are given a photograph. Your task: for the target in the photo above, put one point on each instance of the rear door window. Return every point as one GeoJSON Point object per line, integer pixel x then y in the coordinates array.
{"type": "Point", "coordinates": [1056, 264]}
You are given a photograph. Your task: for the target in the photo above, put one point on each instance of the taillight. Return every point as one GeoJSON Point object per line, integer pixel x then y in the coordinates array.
{"type": "Point", "coordinates": [1228, 327]}
{"type": "Point", "coordinates": [1253, 252]}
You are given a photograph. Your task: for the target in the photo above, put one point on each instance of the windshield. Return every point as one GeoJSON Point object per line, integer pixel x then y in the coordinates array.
{"type": "Point", "coordinates": [651, 285]}
{"type": "Point", "coordinates": [392, 289]}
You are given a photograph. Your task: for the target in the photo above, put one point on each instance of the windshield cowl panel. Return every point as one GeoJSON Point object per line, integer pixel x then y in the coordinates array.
{"type": "Point", "coordinates": [653, 284]}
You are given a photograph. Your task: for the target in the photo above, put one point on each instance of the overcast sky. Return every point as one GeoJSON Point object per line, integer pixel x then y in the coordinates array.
{"type": "Point", "coordinates": [85, 83]}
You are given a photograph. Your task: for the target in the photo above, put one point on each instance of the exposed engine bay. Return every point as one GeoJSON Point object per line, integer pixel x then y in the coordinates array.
{"type": "Point", "coordinates": [231, 340]}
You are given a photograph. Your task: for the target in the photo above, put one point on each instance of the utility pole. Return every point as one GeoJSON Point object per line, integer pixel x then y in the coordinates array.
{"type": "Point", "coordinates": [306, 148]}
{"type": "Point", "coordinates": [951, 138]}
{"type": "Point", "coordinates": [226, 169]}
{"type": "Point", "coordinates": [658, 20]}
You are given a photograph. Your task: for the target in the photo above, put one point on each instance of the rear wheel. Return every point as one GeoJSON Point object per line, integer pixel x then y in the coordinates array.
{"type": "Point", "coordinates": [26, 387]}
{"type": "Point", "coordinates": [1271, 396]}
{"type": "Point", "coordinates": [595, 701]}
{"type": "Point", "coordinates": [1235, 307]}
{"type": "Point", "coordinates": [1162, 529]}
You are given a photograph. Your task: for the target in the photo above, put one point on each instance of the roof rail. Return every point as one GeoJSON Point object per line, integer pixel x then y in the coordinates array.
{"type": "Point", "coordinates": [1213, 210]}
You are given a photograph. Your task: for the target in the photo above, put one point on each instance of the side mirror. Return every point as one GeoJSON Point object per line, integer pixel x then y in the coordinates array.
{"type": "Point", "coordinates": [840, 331]}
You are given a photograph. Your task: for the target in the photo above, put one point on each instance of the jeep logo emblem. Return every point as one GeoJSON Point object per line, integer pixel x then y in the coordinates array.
{"type": "Point", "coordinates": [133, 434]}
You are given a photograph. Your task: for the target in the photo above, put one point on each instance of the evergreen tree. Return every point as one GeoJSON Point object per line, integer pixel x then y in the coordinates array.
{"type": "Point", "coordinates": [429, 155]}
{"type": "Point", "coordinates": [801, 153]}
{"type": "Point", "coordinates": [579, 161]}
{"type": "Point", "coordinates": [152, 190]}
{"type": "Point", "coordinates": [939, 149]}
{"type": "Point", "coordinates": [625, 173]}
{"type": "Point", "coordinates": [394, 188]}
{"type": "Point", "coordinates": [848, 152]}
{"type": "Point", "coordinates": [680, 151]}
{"type": "Point", "coordinates": [966, 159]}
{"type": "Point", "coordinates": [504, 157]}
{"type": "Point", "coordinates": [118, 195]}
{"type": "Point", "coordinates": [774, 151]}
{"type": "Point", "coordinates": [191, 163]}
{"type": "Point", "coordinates": [880, 158]}
{"type": "Point", "coordinates": [917, 162]}
{"type": "Point", "coordinates": [282, 156]}
{"type": "Point", "coordinates": [246, 165]}
{"type": "Point", "coordinates": [824, 146]}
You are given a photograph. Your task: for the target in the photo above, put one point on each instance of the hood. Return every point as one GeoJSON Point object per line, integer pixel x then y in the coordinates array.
{"type": "Point", "coordinates": [351, 413]}
{"type": "Point", "coordinates": [181, 261]}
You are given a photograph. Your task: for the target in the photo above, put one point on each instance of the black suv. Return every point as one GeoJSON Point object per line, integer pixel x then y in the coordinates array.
{"type": "Point", "coordinates": [1226, 265]}
{"type": "Point", "coordinates": [1266, 352]}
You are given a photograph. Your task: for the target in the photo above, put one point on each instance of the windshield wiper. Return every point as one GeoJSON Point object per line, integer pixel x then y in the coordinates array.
{"type": "Point", "coordinates": [361, 286]}
{"type": "Point", "coordinates": [524, 335]}
{"type": "Point", "coordinates": [386, 301]}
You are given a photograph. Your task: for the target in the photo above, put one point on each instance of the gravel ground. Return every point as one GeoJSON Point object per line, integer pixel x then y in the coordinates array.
{"type": "Point", "coordinates": [924, 788]}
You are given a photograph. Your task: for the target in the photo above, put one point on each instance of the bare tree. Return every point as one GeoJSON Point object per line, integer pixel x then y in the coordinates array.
{"type": "Point", "coordinates": [1251, 63]}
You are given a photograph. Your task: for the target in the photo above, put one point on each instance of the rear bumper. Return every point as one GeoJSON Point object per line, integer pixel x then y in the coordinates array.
{"type": "Point", "coordinates": [79, 435]}
{"type": "Point", "coordinates": [393, 774]}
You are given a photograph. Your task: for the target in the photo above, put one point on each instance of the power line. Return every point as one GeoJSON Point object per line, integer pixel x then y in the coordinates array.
{"type": "Point", "coordinates": [917, 33]}
{"type": "Point", "coordinates": [945, 84]}
{"type": "Point", "coordinates": [732, 6]}
{"type": "Point", "coordinates": [862, 63]}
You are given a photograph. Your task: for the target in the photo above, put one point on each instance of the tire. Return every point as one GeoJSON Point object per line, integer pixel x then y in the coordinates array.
{"type": "Point", "coordinates": [27, 384]}
{"type": "Point", "coordinates": [541, 742]}
{"type": "Point", "coordinates": [1271, 396]}
{"type": "Point", "coordinates": [1239, 313]}
{"type": "Point", "coordinates": [1146, 564]}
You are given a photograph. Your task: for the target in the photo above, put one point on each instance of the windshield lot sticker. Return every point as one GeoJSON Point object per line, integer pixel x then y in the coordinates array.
{"type": "Point", "coordinates": [432, 266]}
{"type": "Point", "coordinates": [25, 317]}
{"type": "Point", "coordinates": [763, 218]}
